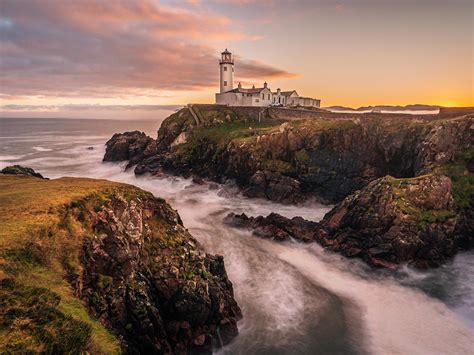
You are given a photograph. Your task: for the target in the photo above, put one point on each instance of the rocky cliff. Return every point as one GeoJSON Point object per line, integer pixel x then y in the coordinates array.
{"type": "Point", "coordinates": [350, 159]}
{"type": "Point", "coordinates": [96, 266]}
{"type": "Point", "coordinates": [389, 222]}
{"type": "Point", "coordinates": [329, 155]}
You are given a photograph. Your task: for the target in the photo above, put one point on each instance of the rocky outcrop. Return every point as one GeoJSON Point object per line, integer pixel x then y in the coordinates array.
{"type": "Point", "coordinates": [393, 221]}
{"type": "Point", "coordinates": [145, 277]}
{"type": "Point", "coordinates": [389, 222]}
{"type": "Point", "coordinates": [274, 186]}
{"type": "Point", "coordinates": [140, 280]}
{"type": "Point", "coordinates": [133, 147]}
{"type": "Point", "coordinates": [277, 227]}
{"type": "Point", "coordinates": [334, 157]}
{"type": "Point", "coordinates": [21, 170]}
{"type": "Point", "coordinates": [328, 156]}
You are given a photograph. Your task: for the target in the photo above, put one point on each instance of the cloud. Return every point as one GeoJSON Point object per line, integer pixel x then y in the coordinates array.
{"type": "Point", "coordinates": [93, 48]}
{"type": "Point", "coordinates": [86, 107]}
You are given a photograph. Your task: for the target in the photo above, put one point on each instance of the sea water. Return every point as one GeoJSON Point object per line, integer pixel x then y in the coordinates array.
{"type": "Point", "coordinates": [296, 298]}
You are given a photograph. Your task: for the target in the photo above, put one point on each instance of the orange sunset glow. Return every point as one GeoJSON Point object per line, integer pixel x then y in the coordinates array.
{"type": "Point", "coordinates": [58, 56]}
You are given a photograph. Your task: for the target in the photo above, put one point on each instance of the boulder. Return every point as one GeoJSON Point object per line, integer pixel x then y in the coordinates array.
{"type": "Point", "coordinates": [276, 227]}
{"type": "Point", "coordinates": [389, 222]}
{"type": "Point", "coordinates": [133, 147]}
{"type": "Point", "coordinates": [21, 170]}
{"type": "Point", "coordinates": [274, 186]}
{"type": "Point", "coordinates": [145, 277]}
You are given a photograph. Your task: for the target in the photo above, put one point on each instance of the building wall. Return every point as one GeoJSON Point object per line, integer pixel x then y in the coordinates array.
{"type": "Point", "coordinates": [304, 101]}
{"type": "Point", "coordinates": [229, 98]}
{"type": "Point", "coordinates": [226, 77]}
{"type": "Point", "coordinates": [278, 99]}
{"type": "Point", "coordinates": [264, 98]}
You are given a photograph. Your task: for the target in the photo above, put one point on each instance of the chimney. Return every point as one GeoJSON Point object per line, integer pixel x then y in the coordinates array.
{"type": "Point", "coordinates": [265, 85]}
{"type": "Point", "coordinates": [278, 91]}
{"type": "Point", "coordinates": [240, 85]}
{"type": "Point", "coordinates": [253, 86]}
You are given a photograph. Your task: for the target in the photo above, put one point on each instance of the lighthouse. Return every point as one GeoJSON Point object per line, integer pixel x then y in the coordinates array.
{"type": "Point", "coordinates": [254, 96]}
{"type": "Point", "coordinates": [226, 71]}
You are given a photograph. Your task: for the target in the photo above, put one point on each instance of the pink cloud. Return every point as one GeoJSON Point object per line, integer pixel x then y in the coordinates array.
{"type": "Point", "coordinates": [113, 49]}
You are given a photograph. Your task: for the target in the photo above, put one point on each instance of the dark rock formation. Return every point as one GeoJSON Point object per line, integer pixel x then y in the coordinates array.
{"type": "Point", "coordinates": [21, 170]}
{"type": "Point", "coordinates": [132, 265]}
{"type": "Point", "coordinates": [290, 155]}
{"type": "Point", "coordinates": [327, 155]}
{"type": "Point", "coordinates": [274, 186]}
{"type": "Point", "coordinates": [144, 276]}
{"type": "Point", "coordinates": [391, 221]}
{"type": "Point", "coordinates": [277, 227]}
{"type": "Point", "coordinates": [396, 220]}
{"type": "Point", "coordinates": [132, 146]}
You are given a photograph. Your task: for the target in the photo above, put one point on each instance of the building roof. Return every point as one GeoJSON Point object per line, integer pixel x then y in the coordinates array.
{"type": "Point", "coordinates": [248, 91]}
{"type": "Point", "coordinates": [288, 93]}
{"type": "Point", "coordinates": [226, 52]}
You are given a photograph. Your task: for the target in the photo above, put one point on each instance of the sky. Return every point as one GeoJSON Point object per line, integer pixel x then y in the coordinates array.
{"type": "Point", "coordinates": [106, 58]}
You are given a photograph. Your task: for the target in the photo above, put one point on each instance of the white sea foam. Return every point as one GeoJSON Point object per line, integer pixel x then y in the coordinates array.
{"type": "Point", "coordinates": [11, 157]}
{"type": "Point", "coordinates": [42, 149]}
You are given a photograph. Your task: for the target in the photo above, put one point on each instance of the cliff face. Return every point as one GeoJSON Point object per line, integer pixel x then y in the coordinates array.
{"type": "Point", "coordinates": [350, 159]}
{"type": "Point", "coordinates": [124, 254]}
{"type": "Point", "coordinates": [328, 156]}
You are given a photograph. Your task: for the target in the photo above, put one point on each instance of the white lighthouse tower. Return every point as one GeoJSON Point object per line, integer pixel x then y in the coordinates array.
{"type": "Point", "coordinates": [227, 71]}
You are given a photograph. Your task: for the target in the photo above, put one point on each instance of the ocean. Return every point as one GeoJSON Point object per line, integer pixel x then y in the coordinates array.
{"type": "Point", "coordinates": [296, 298]}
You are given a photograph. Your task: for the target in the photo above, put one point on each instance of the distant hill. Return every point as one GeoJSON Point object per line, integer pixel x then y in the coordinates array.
{"type": "Point", "coordinates": [415, 107]}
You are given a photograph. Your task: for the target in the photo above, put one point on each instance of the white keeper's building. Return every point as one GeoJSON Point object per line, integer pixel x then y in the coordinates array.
{"type": "Point", "coordinates": [262, 96]}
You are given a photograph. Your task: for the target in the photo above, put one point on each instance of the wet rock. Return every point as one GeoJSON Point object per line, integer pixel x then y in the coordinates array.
{"type": "Point", "coordinates": [389, 222]}
{"type": "Point", "coordinates": [21, 170]}
{"type": "Point", "coordinates": [145, 277]}
{"type": "Point", "coordinates": [133, 147]}
{"type": "Point", "coordinates": [197, 180]}
{"type": "Point", "coordinates": [329, 156]}
{"type": "Point", "coordinates": [277, 227]}
{"type": "Point", "coordinates": [274, 186]}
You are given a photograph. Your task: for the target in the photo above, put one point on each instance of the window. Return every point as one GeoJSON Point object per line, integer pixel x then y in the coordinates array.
{"type": "Point", "coordinates": [257, 100]}
{"type": "Point", "coordinates": [225, 68]}
{"type": "Point", "coordinates": [225, 83]}
{"type": "Point", "coordinates": [263, 96]}
{"type": "Point", "coordinates": [269, 96]}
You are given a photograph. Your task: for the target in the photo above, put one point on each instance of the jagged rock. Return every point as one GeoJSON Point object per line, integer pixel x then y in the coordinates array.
{"type": "Point", "coordinates": [329, 156]}
{"type": "Point", "coordinates": [132, 146]}
{"type": "Point", "coordinates": [276, 227]}
{"type": "Point", "coordinates": [21, 170]}
{"type": "Point", "coordinates": [389, 222]}
{"type": "Point", "coordinates": [396, 220]}
{"type": "Point", "coordinates": [145, 277]}
{"type": "Point", "coordinates": [274, 186]}
{"type": "Point", "coordinates": [132, 266]}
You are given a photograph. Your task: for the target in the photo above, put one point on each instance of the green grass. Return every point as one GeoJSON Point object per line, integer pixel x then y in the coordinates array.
{"type": "Point", "coordinates": [320, 124]}
{"type": "Point", "coordinates": [31, 321]}
{"type": "Point", "coordinates": [462, 179]}
{"type": "Point", "coordinates": [279, 166]}
{"type": "Point", "coordinates": [302, 156]}
{"type": "Point", "coordinates": [38, 239]}
{"type": "Point", "coordinates": [226, 132]}
{"type": "Point", "coordinates": [421, 217]}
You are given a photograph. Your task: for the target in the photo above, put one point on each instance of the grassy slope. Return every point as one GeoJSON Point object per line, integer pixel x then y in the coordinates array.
{"type": "Point", "coordinates": [30, 210]}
